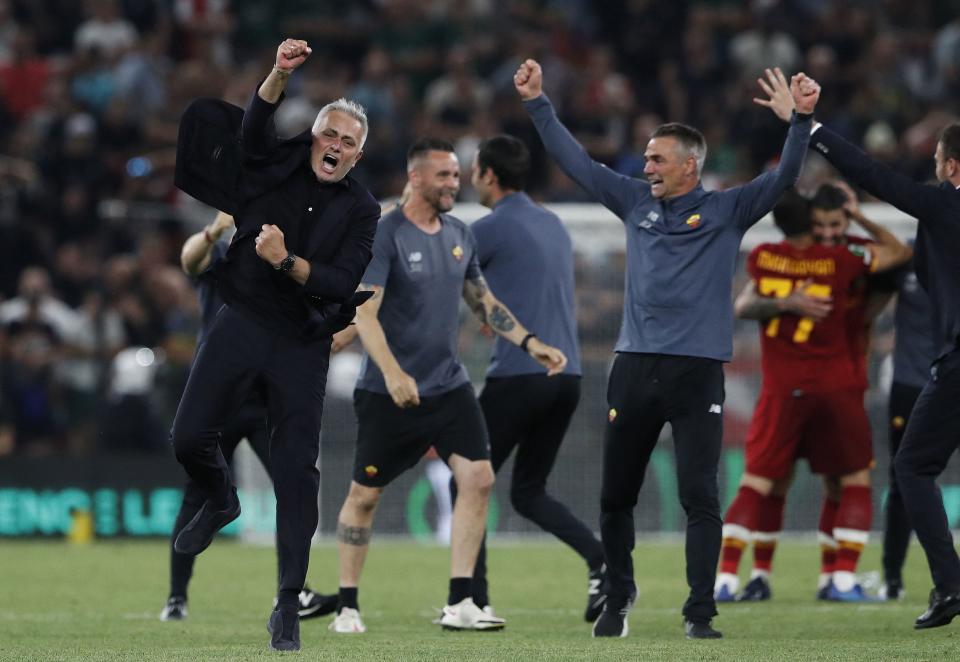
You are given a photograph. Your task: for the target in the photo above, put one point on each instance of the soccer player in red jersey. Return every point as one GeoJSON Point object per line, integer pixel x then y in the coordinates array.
{"type": "Point", "coordinates": [832, 208]}
{"type": "Point", "coordinates": [812, 394]}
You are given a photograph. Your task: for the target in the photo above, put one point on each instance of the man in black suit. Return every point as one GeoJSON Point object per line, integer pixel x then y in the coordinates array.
{"type": "Point", "coordinates": [199, 257]}
{"type": "Point", "coordinates": [933, 432]}
{"type": "Point", "coordinates": [304, 236]}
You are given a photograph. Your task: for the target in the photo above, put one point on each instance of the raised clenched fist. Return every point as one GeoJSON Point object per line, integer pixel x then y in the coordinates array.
{"type": "Point", "coordinates": [805, 91]}
{"type": "Point", "coordinates": [292, 53]}
{"type": "Point", "coordinates": [529, 80]}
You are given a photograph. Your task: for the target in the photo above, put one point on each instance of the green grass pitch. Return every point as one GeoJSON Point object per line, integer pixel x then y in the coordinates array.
{"type": "Point", "coordinates": [101, 602]}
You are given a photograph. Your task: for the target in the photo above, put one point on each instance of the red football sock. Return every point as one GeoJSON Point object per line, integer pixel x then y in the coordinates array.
{"type": "Point", "coordinates": [769, 525]}
{"type": "Point", "coordinates": [738, 526]}
{"type": "Point", "coordinates": [852, 527]}
{"type": "Point", "coordinates": [828, 546]}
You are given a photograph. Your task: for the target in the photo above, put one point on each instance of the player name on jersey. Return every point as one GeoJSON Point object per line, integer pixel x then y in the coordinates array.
{"type": "Point", "coordinates": [785, 264]}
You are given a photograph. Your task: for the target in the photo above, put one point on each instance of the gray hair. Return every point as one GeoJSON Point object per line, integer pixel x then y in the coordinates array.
{"type": "Point", "coordinates": [699, 153]}
{"type": "Point", "coordinates": [688, 139]}
{"type": "Point", "coordinates": [351, 108]}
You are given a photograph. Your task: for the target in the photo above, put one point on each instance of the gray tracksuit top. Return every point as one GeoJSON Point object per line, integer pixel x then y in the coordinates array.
{"type": "Point", "coordinates": [681, 251]}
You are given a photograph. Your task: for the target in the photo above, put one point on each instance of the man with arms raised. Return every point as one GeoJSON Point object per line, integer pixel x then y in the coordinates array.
{"type": "Point", "coordinates": [682, 245]}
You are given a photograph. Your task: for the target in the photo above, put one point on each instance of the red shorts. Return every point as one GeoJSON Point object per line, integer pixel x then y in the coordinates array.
{"type": "Point", "coordinates": [830, 430]}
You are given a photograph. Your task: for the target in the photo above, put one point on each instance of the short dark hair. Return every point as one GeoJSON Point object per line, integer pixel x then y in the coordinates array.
{"type": "Point", "coordinates": [950, 139]}
{"type": "Point", "coordinates": [792, 214]}
{"type": "Point", "coordinates": [509, 159]}
{"type": "Point", "coordinates": [828, 197]}
{"type": "Point", "coordinates": [424, 145]}
{"type": "Point", "coordinates": [688, 137]}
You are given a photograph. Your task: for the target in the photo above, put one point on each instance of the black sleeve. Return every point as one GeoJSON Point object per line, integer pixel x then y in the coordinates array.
{"type": "Point", "coordinates": [926, 203]}
{"type": "Point", "coordinates": [258, 134]}
{"type": "Point", "coordinates": [339, 278]}
{"type": "Point", "coordinates": [887, 281]}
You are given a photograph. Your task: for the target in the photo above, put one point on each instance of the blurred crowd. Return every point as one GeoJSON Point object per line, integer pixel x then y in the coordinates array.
{"type": "Point", "coordinates": [97, 322]}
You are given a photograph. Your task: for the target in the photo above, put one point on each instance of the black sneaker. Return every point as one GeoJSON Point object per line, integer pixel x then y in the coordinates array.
{"type": "Point", "coordinates": [284, 629]}
{"type": "Point", "coordinates": [197, 535]}
{"type": "Point", "coordinates": [595, 595]}
{"type": "Point", "coordinates": [944, 607]}
{"type": "Point", "coordinates": [757, 590]}
{"type": "Point", "coordinates": [612, 621]}
{"type": "Point", "coordinates": [700, 630]}
{"type": "Point", "coordinates": [175, 609]}
{"type": "Point", "coordinates": [313, 605]}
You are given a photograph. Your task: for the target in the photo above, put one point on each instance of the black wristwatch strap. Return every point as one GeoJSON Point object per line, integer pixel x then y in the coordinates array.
{"type": "Point", "coordinates": [287, 263]}
{"type": "Point", "coordinates": [526, 341]}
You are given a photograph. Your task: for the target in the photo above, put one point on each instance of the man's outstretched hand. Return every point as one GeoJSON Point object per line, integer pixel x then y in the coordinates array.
{"type": "Point", "coordinates": [780, 99]}
{"type": "Point", "coordinates": [292, 53]}
{"type": "Point", "coordinates": [529, 80]}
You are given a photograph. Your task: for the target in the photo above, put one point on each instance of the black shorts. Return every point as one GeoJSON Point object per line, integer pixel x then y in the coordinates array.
{"type": "Point", "coordinates": [390, 440]}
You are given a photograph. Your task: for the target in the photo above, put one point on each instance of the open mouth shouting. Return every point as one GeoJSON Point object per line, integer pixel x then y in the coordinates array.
{"type": "Point", "coordinates": [329, 163]}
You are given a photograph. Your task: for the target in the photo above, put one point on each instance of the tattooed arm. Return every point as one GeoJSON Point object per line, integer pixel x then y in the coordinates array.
{"type": "Point", "coordinates": [498, 317]}
{"type": "Point", "coordinates": [401, 386]}
{"type": "Point", "coordinates": [751, 305]}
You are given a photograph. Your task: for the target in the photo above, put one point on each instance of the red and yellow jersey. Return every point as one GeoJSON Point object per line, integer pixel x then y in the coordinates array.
{"type": "Point", "coordinates": [800, 352]}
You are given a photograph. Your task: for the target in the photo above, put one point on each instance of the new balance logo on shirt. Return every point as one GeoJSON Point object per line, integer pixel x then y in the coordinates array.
{"type": "Point", "coordinates": [715, 409]}
{"type": "Point", "coordinates": [415, 261]}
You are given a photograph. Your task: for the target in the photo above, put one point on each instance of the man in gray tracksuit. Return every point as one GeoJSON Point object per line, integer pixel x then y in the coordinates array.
{"type": "Point", "coordinates": [677, 330]}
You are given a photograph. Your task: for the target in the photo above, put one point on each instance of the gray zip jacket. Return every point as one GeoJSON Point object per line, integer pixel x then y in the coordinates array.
{"type": "Point", "coordinates": [682, 251]}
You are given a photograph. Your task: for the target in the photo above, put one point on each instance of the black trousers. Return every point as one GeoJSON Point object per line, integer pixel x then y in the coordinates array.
{"type": "Point", "coordinates": [896, 531]}
{"type": "Point", "coordinates": [250, 423]}
{"type": "Point", "coordinates": [531, 413]}
{"type": "Point", "coordinates": [238, 356]}
{"type": "Point", "coordinates": [931, 437]}
{"type": "Point", "coordinates": [646, 391]}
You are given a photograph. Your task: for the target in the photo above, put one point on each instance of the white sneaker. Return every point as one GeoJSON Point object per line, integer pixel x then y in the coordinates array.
{"type": "Point", "coordinates": [347, 622]}
{"type": "Point", "coordinates": [726, 587]}
{"type": "Point", "coordinates": [174, 610]}
{"type": "Point", "coordinates": [466, 615]}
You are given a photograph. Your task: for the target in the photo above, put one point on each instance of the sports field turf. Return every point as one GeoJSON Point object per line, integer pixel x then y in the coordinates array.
{"type": "Point", "coordinates": [101, 602]}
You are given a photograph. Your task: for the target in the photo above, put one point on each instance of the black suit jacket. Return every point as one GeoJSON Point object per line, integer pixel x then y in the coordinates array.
{"type": "Point", "coordinates": [232, 160]}
{"type": "Point", "coordinates": [937, 209]}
